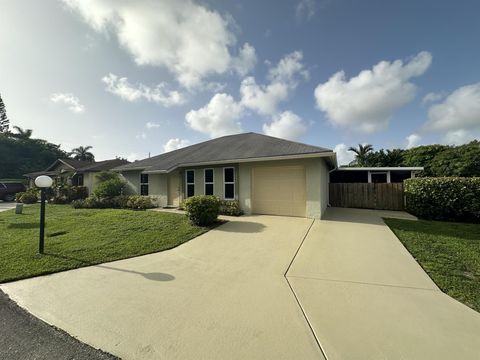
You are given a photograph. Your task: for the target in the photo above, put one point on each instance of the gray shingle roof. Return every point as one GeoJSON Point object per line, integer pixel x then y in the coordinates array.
{"type": "Point", "coordinates": [226, 148]}
{"type": "Point", "coordinates": [103, 165]}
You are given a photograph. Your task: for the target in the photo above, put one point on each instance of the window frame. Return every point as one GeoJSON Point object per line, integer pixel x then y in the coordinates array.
{"type": "Point", "coordinates": [187, 183]}
{"type": "Point", "coordinates": [229, 183]}
{"type": "Point", "coordinates": [144, 184]}
{"type": "Point", "coordinates": [205, 183]}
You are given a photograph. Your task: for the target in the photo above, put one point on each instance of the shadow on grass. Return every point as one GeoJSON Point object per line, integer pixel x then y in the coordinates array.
{"type": "Point", "coordinates": [23, 225]}
{"type": "Point", "coordinates": [156, 276]}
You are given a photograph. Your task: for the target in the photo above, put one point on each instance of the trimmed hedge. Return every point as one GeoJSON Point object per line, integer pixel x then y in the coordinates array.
{"type": "Point", "coordinates": [444, 198]}
{"type": "Point", "coordinates": [135, 202]}
{"type": "Point", "coordinates": [202, 210]}
{"type": "Point", "coordinates": [230, 208]}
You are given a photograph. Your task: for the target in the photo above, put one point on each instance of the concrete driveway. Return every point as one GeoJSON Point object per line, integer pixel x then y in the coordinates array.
{"type": "Point", "coordinates": [367, 298]}
{"type": "Point", "coordinates": [7, 205]}
{"type": "Point", "coordinates": [222, 295]}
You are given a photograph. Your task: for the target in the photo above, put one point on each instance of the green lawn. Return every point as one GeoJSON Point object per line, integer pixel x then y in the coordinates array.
{"type": "Point", "coordinates": [449, 253]}
{"type": "Point", "coordinates": [82, 237]}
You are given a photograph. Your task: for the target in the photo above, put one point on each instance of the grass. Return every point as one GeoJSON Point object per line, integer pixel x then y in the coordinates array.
{"type": "Point", "coordinates": [448, 252]}
{"type": "Point", "coordinates": [81, 237]}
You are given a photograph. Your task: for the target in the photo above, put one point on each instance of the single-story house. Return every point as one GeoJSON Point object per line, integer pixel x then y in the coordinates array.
{"type": "Point", "coordinates": [76, 172]}
{"type": "Point", "coordinates": [373, 174]}
{"type": "Point", "coordinates": [266, 175]}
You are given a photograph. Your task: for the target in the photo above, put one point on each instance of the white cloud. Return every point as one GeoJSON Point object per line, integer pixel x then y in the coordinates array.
{"type": "Point", "coordinates": [141, 136]}
{"type": "Point", "coordinates": [152, 125]}
{"type": "Point", "coordinates": [132, 157]}
{"type": "Point", "coordinates": [127, 91]}
{"type": "Point", "coordinates": [413, 140]}
{"type": "Point", "coordinates": [219, 117]}
{"type": "Point", "coordinates": [305, 10]}
{"type": "Point", "coordinates": [174, 144]}
{"type": "Point", "coordinates": [189, 39]}
{"type": "Point", "coordinates": [458, 116]}
{"type": "Point", "coordinates": [284, 78]}
{"type": "Point", "coordinates": [72, 102]}
{"type": "Point", "coordinates": [246, 60]}
{"type": "Point", "coordinates": [432, 97]}
{"type": "Point", "coordinates": [286, 125]}
{"type": "Point", "coordinates": [344, 156]}
{"type": "Point", "coordinates": [366, 102]}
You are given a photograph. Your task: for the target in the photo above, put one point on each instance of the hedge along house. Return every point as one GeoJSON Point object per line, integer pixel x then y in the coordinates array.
{"type": "Point", "coordinates": [76, 172]}
{"type": "Point", "coordinates": [266, 175]}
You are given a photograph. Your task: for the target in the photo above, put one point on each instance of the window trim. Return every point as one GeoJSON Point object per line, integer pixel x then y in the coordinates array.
{"type": "Point", "coordinates": [233, 183]}
{"type": "Point", "coordinates": [205, 183]}
{"type": "Point", "coordinates": [144, 184]}
{"type": "Point", "coordinates": [374, 172]}
{"type": "Point", "coordinates": [187, 183]}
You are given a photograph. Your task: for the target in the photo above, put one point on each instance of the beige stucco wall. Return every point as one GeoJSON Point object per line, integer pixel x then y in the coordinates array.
{"type": "Point", "coordinates": [90, 181]}
{"type": "Point", "coordinates": [157, 188]}
{"type": "Point", "coordinates": [133, 182]}
{"type": "Point", "coordinates": [316, 184]}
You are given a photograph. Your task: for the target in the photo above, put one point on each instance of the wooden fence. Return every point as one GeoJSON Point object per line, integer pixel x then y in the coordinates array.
{"type": "Point", "coordinates": [367, 195]}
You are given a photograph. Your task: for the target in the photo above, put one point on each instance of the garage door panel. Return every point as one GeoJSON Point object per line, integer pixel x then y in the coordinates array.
{"type": "Point", "coordinates": [279, 190]}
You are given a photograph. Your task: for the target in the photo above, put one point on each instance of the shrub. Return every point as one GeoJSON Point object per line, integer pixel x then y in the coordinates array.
{"type": "Point", "coordinates": [445, 198]}
{"type": "Point", "coordinates": [64, 194]}
{"type": "Point", "coordinates": [230, 207]}
{"type": "Point", "coordinates": [117, 202]}
{"type": "Point", "coordinates": [138, 202]}
{"type": "Point", "coordinates": [202, 210]}
{"type": "Point", "coordinates": [106, 175]}
{"type": "Point", "coordinates": [110, 188]}
{"type": "Point", "coordinates": [30, 196]}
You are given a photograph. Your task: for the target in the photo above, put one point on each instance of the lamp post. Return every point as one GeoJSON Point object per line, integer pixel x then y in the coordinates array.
{"type": "Point", "coordinates": [42, 182]}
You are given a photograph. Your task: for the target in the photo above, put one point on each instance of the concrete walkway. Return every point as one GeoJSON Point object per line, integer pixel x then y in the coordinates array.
{"type": "Point", "coordinates": [222, 296]}
{"type": "Point", "coordinates": [367, 298]}
{"type": "Point", "coordinates": [4, 206]}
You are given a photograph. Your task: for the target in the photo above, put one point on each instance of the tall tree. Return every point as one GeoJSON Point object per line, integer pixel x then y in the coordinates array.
{"type": "Point", "coordinates": [4, 122]}
{"type": "Point", "coordinates": [83, 153]}
{"type": "Point", "coordinates": [23, 134]}
{"type": "Point", "coordinates": [361, 154]}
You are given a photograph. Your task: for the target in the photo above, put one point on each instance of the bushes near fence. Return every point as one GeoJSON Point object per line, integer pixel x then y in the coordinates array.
{"type": "Point", "coordinates": [444, 198]}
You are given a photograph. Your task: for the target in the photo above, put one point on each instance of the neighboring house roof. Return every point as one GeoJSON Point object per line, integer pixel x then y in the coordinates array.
{"type": "Point", "coordinates": [103, 165]}
{"type": "Point", "coordinates": [398, 168]}
{"type": "Point", "coordinates": [231, 148]}
{"type": "Point", "coordinates": [78, 166]}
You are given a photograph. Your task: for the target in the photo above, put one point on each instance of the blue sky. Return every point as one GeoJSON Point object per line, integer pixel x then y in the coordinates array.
{"type": "Point", "coordinates": [133, 77]}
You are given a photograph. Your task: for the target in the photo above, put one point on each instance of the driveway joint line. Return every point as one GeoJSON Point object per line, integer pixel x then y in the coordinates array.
{"type": "Point", "coordinates": [295, 295]}
{"type": "Point", "coordinates": [361, 283]}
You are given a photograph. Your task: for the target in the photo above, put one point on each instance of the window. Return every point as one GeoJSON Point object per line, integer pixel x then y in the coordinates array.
{"type": "Point", "coordinates": [208, 181]}
{"type": "Point", "coordinates": [143, 184]}
{"type": "Point", "coordinates": [77, 180]}
{"type": "Point", "coordinates": [229, 183]}
{"type": "Point", "coordinates": [190, 180]}
{"type": "Point", "coordinates": [379, 177]}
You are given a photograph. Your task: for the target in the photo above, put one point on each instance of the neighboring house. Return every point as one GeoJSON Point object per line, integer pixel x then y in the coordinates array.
{"type": "Point", "coordinates": [373, 174]}
{"type": "Point", "coordinates": [266, 175]}
{"type": "Point", "coordinates": [76, 172]}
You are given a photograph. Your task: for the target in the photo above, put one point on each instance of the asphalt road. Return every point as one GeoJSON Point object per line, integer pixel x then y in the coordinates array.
{"type": "Point", "coordinates": [23, 336]}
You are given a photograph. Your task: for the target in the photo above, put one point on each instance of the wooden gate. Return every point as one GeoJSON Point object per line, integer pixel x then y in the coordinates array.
{"type": "Point", "coordinates": [367, 195]}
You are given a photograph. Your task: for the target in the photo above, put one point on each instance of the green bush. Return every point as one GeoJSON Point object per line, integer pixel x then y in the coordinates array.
{"type": "Point", "coordinates": [109, 188]}
{"type": "Point", "coordinates": [230, 208]}
{"type": "Point", "coordinates": [65, 194]}
{"type": "Point", "coordinates": [138, 202]}
{"type": "Point", "coordinates": [444, 198]}
{"type": "Point", "coordinates": [202, 210]}
{"type": "Point", "coordinates": [30, 196]}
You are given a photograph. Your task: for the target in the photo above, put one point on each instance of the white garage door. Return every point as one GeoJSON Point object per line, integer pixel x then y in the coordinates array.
{"type": "Point", "coordinates": [279, 190]}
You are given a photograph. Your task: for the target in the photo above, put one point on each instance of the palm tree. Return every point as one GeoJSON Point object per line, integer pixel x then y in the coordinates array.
{"type": "Point", "coordinates": [361, 153]}
{"type": "Point", "coordinates": [394, 157]}
{"type": "Point", "coordinates": [82, 153]}
{"type": "Point", "coordinates": [21, 133]}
